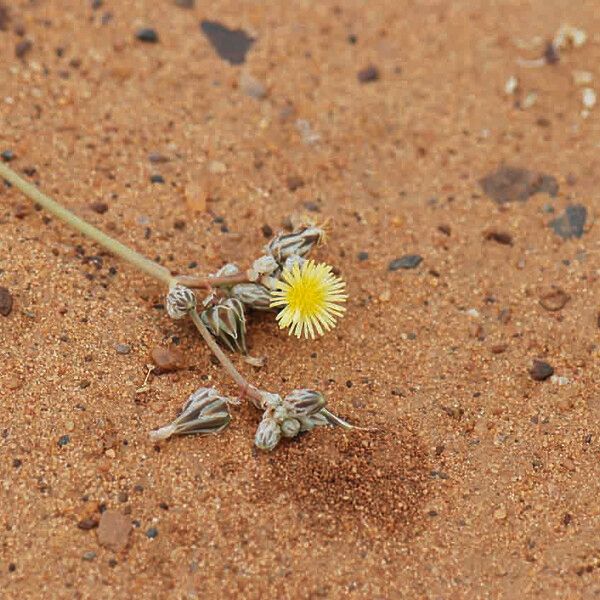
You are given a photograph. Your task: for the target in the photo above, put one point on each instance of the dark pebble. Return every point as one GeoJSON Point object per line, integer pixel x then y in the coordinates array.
{"type": "Point", "coordinates": [368, 74]}
{"type": "Point", "coordinates": [294, 182]}
{"type": "Point", "coordinates": [123, 348]}
{"type": "Point", "coordinates": [540, 370]}
{"type": "Point", "coordinates": [7, 155]}
{"type": "Point", "coordinates": [112, 563]}
{"type": "Point", "coordinates": [192, 264]}
{"type": "Point", "coordinates": [17, 462]}
{"type": "Point", "coordinates": [362, 255]}
{"type": "Point", "coordinates": [551, 55]}
{"type": "Point", "coordinates": [96, 4]}
{"type": "Point", "coordinates": [512, 184]}
{"type": "Point", "coordinates": [267, 230]}
{"type": "Point", "coordinates": [89, 555]}
{"type": "Point", "coordinates": [147, 35]}
{"type": "Point", "coordinates": [409, 261]}
{"type": "Point", "coordinates": [122, 497]}
{"type": "Point", "coordinates": [231, 45]}
{"type": "Point", "coordinates": [352, 39]}
{"type": "Point", "coordinates": [6, 302]}
{"type": "Point", "coordinates": [445, 229]}
{"type": "Point", "coordinates": [312, 206]}
{"type": "Point", "coordinates": [157, 179]}
{"type": "Point", "coordinates": [22, 48]}
{"type": "Point", "coordinates": [501, 237]}
{"type": "Point", "coordinates": [179, 224]}
{"type": "Point", "coordinates": [63, 440]}
{"type": "Point", "coordinates": [152, 533]}
{"type": "Point", "coordinates": [185, 3]}
{"type": "Point", "coordinates": [12, 567]}
{"type": "Point", "coordinates": [157, 158]}
{"type": "Point", "coordinates": [99, 207]}
{"type": "Point", "coordinates": [571, 223]}
{"type": "Point", "coordinates": [4, 17]}
{"type": "Point", "coordinates": [87, 524]}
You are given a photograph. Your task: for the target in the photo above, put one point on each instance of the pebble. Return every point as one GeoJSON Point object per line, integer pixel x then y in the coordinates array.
{"type": "Point", "coordinates": [157, 158]}
{"type": "Point", "coordinates": [408, 261]}
{"type": "Point", "coordinates": [541, 370]}
{"type": "Point", "coordinates": [571, 223]}
{"type": "Point", "coordinates": [6, 302]}
{"type": "Point", "coordinates": [113, 530]}
{"type": "Point", "coordinates": [152, 533]}
{"type": "Point", "coordinates": [23, 48]}
{"type": "Point", "coordinates": [554, 300]}
{"type": "Point", "coordinates": [294, 182]}
{"type": "Point", "coordinates": [123, 348]}
{"type": "Point", "coordinates": [7, 155]}
{"type": "Point", "coordinates": [368, 74]}
{"type": "Point", "coordinates": [99, 207]}
{"type": "Point", "coordinates": [157, 178]}
{"type": "Point", "coordinates": [500, 513]}
{"type": "Point", "coordinates": [362, 256]}
{"type": "Point", "coordinates": [147, 35]}
{"type": "Point", "coordinates": [252, 87]}
{"type": "Point", "coordinates": [185, 3]}
{"type": "Point", "coordinates": [559, 380]}
{"type": "Point", "coordinates": [501, 237]}
{"type": "Point", "coordinates": [89, 555]}
{"type": "Point", "coordinates": [166, 360]}
{"type": "Point", "coordinates": [513, 184]}
{"type": "Point", "coordinates": [63, 440]}
{"type": "Point", "coordinates": [87, 524]}
{"type": "Point", "coordinates": [588, 97]}
{"type": "Point", "coordinates": [267, 230]}
{"type": "Point", "coordinates": [231, 45]}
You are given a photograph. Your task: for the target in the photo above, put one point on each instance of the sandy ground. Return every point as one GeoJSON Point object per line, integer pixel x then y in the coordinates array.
{"type": "Point", "coordinates": [483, 482]}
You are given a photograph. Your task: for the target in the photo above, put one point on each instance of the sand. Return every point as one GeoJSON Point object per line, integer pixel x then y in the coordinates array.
{"type": "Point", "coordinates": [482, 482]}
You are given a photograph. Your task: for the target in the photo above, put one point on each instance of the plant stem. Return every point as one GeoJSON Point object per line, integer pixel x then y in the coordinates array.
{"type": "Point", "coordinates": [193, 281]}
{"type": "Point", "coordinates": [115, 247]}
{"type": "Point", "coordinates": [247, 389]}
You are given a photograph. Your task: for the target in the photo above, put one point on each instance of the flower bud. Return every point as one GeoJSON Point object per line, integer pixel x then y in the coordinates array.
{"type": "Point", "coordinates": [204, 412]}
{"type": "Point", "coordinates": [305, 402]}
{"type": "Point", "coordinates": [298, 242]}
{"type": "Point", "coordinates": [227, 269]}
{"type": "Point", "coordinates": [292, 260]}
{"type": "Point", "coordinates": [316, 420]}
{"type": "Point", "coordinates": [265, 265]}
{"type": "Point", "coordinates": [268, 434]}
{"type": "Point", "coordinates": [252, 295]}
{"type": "Point", "coordinates": [180, 300]}
{"type": "Point", "coordinates": [227, 322]}
{"type": "Point", "coordinates": [290, 428]}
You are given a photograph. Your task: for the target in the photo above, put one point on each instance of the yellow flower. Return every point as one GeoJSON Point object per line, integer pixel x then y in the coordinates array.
{"type": "Point", "coordinates": [311, 296]}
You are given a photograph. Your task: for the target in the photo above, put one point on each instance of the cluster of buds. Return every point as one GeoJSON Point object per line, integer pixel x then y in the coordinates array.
{"type": "Point", "coordinates": [204, 412]}
{"type": "Point", "coordinates": [302, 410]}
{"type": "Point", "coordinates": [227, 322]}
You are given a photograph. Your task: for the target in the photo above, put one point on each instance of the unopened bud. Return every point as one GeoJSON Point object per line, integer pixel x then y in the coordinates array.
{"type": "Point", "coordinates": [227, 269]}
{"type": "Point", "coordinates": [227, 322]}
{"type": "Point", "coordinates": [265, 265]}
{"type": "Point", "coordinates": [180, 300]}
{"type": "Point", "coordinates": [305, 402]}
{"type": "Point", "coordinates": [292, 260]}
{"type": "Point", "coordinates": [268, 434]}
{"type": "Point", "coordinates": [298, 242]}
{"type": "Point", "coordinates": [204, 412]}
{"type": "Point", "coordinates": [290, 428]}
{"type": "Point", "coordinates": [252, 295]}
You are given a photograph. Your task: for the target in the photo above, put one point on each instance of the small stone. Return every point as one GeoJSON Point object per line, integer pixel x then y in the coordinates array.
{"type": "Point", "coordinates": [122, 497]}
{"type": "Point", "coordinates": [185, 3]}
{"type": "Point", "coordinates": [89, 555]}
{"type": "Point", "coordinates": [582, 77]}
{"type": "Point", "coordinates": [554, 299]}
{"type": "Point", "coordinates": [588, 97]}
{"type": "Point", "coordinates": [63, 440]}
{"type": "Point", "coordinates": [156, 178]}
{"type": "Point", "coordinates": [409, 261]}
{"type": "Point", "coordinates": [22, 48]}
{"type": "Point", "coordinates": [541, 370]}
{"type": "Point", "coordinates": [7, 155]}
{"type": "Point", "coordinates": [267, 231]}
{"type": "Point", "coordinates": [99, 207]}
{"type": "Point", "coordinates": [216, 167]}
{"type": "Point", "coordinates": [252, 87]}
{"type": "Point", "coordinates": [511, 85]}
{"type": "Point", "coordinates": [147, 35]}
{"type": "Point", "coordinates": [195, 197]}
{"type": "Point", "coordinates": [122, 348]}
{"type": "Point", "coordinates": [294, 182]}
{"type": "Point", "coordinates": [500, 513]}
{"type": "Point", "coordinates": [512, 184]}
{"type": "Point", "coordinates": [368, 74]}
{"type": "Point", "coordinates": [166, 360]}
{"type": "Point", "coordinates": [87, 524]}
{"type": "Point", "coordinates": [498, 348]}
{"type": "Point", "coordinates": [113, 530]}
{"type": "Point", "coordinates": [362, 256]}
{"type": "Point", "coordinates": [571, 223]}
{"type": "Point", "coordinates": [110, 453]}
{"type": "Point", "coordinates": [231, 45]}
{"type": "Point", "coordinates": [551, 55]}
{"type": "Point", "coordinates": [312, 206]}
{"type": "Point", "coordinates": [157, 158]}
{"type": "Point", "coordinates": [501, 237]}
{"type": "Point", "coordinates": [152, 533]}
{"type": "Point", "coordinates": [6, 302]}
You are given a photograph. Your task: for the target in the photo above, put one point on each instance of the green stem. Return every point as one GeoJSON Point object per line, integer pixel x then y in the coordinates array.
{"type": "Point", "coordinates": [115, 247]}
{"type": "Point", "coordinates": [246, 387]}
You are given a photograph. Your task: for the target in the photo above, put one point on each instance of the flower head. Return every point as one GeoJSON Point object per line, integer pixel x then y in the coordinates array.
{"type": "Point", "coordinates": [310, 296]}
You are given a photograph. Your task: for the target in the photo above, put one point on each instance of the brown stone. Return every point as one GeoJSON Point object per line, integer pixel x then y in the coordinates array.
{"type": "Point", "coordinates": [6, 302]}
{"type": "Point", "coordinates": [166, 360]}
{"type": "Point", "coordinates": [113, 530]}
{"type": "Point", "coordinates": [554, 300]}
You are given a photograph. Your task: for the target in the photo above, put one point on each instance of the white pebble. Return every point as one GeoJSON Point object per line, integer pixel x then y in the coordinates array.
{"type": "Point", "coordinates": [582, 77]}
{"type": "Point", "coordinates": [589, 97]}
{"type": "Point", "coordinates": [559, 380]}
{"type": "Point", "coordinates": [568, 36]}
{"type": "Point", "coordinates": [511, 85]}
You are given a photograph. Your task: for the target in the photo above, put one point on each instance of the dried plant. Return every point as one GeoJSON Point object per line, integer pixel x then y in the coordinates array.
{"type": "Point", "coordinates": [308, 296]}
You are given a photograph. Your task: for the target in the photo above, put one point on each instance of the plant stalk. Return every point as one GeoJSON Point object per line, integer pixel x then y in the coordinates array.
{"type": "Point", "coordinates": [115, 247]}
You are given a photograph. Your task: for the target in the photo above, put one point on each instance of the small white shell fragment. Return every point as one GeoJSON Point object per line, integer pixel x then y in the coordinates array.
{"type": "Point", "coordinates": [529, 100]}
{"type": "Point", "coordinates": [588, 97]}
{"type": "Point", "coordinates": [582, 77]}
{"type": "Point", "coordinates": [559, 380]}
{"type": "Point", "coordinates": [569, 36]}
{"type": "Point", "coordinates": [511, 85]}
{"type": "Point", "coordinates": [472, 312]}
